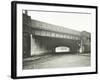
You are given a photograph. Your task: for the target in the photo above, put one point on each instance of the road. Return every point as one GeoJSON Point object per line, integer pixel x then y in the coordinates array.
{"type": "Point", "coordinates": [58, 61]}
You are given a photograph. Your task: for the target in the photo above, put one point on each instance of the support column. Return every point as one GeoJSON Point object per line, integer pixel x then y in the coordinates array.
{"type": "Point", "coordinates": [81, 47]}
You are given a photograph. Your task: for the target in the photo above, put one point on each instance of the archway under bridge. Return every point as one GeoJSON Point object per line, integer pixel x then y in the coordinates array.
{"type": "Point", "coordinates": [60, 49]}
{"type": "Point", "coordinates": [48, 45]}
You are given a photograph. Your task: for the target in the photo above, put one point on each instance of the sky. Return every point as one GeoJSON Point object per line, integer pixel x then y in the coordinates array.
{"type": "Point", "coordinates": [76, 21]}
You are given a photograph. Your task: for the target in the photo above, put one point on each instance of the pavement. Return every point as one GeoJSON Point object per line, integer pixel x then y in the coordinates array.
{"type": "Point", "coordinates": [57, 61]}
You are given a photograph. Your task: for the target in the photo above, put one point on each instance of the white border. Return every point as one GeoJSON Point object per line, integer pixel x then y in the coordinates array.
{"type": "Point", "coordinates": [21, 72]}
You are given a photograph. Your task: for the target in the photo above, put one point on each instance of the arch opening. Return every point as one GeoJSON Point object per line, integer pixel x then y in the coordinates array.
{"type": "Point", "coordinates": [62, 49]}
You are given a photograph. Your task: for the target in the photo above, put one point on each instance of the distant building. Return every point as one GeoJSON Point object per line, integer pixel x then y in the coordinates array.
{"type": "Point", "coordinates": [86, 41]}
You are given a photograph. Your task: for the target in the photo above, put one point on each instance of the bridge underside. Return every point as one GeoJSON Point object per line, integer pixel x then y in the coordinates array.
{"type": "Point", "coordinates": [38, 45]}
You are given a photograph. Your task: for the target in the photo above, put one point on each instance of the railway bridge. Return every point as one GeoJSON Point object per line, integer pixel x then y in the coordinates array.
{"type": "Point", "coordinates": [41, 38]}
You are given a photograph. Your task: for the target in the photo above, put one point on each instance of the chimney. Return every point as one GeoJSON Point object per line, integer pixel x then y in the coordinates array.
{"type": "Point", "coordinates": [26, 12]}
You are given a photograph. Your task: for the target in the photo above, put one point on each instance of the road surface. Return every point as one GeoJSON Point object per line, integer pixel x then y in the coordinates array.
{"type": "Point", "coordinates": [57, 61]}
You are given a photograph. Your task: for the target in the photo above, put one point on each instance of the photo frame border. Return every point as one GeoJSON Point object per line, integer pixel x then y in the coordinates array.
{"type": "Point", "coordinates": [14, 38]}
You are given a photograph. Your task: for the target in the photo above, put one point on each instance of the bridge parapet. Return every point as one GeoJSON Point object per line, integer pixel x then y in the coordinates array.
{"type": "Point", "coordinates": [51, 27]}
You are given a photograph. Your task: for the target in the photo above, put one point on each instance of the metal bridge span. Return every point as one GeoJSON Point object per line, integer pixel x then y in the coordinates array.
{"type": "Point", "coordinates": [42, 38]}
